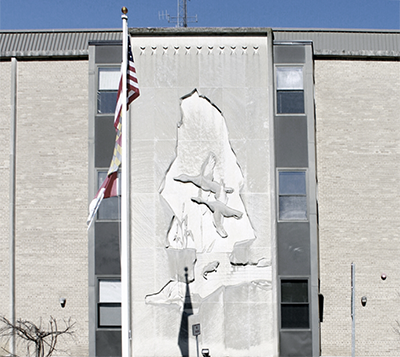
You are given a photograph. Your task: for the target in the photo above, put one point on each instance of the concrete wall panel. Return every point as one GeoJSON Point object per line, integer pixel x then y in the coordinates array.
{"type": "Point", "coordinates": [221, 128]}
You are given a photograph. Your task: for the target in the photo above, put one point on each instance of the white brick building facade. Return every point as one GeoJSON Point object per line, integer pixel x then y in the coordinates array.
{"type": "Point", "coordinates": [351, 91]}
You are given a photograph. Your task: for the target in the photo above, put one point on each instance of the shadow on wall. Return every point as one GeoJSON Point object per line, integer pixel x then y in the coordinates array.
{"type": "Point", "coordinates": [183, 339]}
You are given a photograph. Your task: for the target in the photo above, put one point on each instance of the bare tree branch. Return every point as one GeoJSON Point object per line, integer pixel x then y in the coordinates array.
{"type": "Point", "coordinates": [43, 341]}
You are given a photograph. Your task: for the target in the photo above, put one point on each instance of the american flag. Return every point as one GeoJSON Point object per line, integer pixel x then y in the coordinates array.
{"type": "Point", "coordinates": [109, 188]}
{"type": "Point", "coordinates": [132, 87]}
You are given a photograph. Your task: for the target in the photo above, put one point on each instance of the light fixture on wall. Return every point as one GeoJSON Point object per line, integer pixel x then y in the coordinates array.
{"type": "Point", "coordinates": [205, 352]}
{"type": "Point", "coordinates": [63, 301]}
{"type": "Point", "coordinates": [383, 276]}
{"type": "Point", "coordinates": [364, 301]}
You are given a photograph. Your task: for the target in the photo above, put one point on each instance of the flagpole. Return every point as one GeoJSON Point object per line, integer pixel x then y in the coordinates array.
{"type": "Point", "coordinates": [125, 203]}
{"type": "Point", "coordinates": [353, 310]}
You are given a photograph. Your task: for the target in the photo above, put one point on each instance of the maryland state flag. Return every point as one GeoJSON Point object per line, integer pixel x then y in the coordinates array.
{"type": "Point", "coordinates": [109, 188]}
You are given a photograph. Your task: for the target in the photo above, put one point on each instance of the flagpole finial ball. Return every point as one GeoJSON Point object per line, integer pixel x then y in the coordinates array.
{"type": "Point", "coordinates": [124, 10]}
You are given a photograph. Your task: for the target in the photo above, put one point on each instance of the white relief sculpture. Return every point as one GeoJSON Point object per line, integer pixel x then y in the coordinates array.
{"type": "Point", "coordinates": [202, 188]}
{"type": "Point", "coordinates": [219, 211]}
{"type": "Point", "coordinates": [205, 165]}
{"type": "Point", "coordinates": [210, 268]}
{"type": "Point", "coordinates": [179, 235]}
{"type": "Point", "coordinates": [210, 240]}
{"type": "Point", "coordinates": [205, 182]}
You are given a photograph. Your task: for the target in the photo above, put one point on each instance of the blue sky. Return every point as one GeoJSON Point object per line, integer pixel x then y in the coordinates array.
{"type": "Point", "coordinates": [80, 14]}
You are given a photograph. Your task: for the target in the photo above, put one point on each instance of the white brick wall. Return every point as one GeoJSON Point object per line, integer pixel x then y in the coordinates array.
{"type": "Point", "coordinates": [52, 160]}
{"type": "Point", "coordinates": [358, 148]}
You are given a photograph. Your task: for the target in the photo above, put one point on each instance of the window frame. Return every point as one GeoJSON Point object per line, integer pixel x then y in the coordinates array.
{"type": "Point", "coordinates": [289, 65]}
{"type": "Point", "coordinates": [306, 195]}
{"type": "Point", "coordinates": [308, 303]}
{"type": "Point", "coordinates": [99, 68]}
{"type": "Point", "coordinates": [103, 304]}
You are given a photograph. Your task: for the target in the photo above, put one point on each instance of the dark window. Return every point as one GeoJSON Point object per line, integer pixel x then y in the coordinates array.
{"type": "Point", "coordinates": [110, 208]}
{"type": "Point", "coordinates": [294, 304]}
{"type": "Point", "coordinates": [107, 90]}
{"type": "Point", "coordinates": [290, 102]}
{"type": "Point", "coordinates": [290, 90]}
{"type": "Point", "coordinates": [292, 195]}
{"type": "Point", "coordinates": [109, 303]}
{"type": "Point", "coordinates": [106, 101]}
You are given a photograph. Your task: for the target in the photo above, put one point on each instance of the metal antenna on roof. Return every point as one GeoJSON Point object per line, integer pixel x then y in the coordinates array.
{"type": "Point", "coordinates": [181, 19]}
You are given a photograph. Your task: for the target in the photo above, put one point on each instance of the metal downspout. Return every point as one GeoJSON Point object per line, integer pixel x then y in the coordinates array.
{"type": "Point", "coordinates": [12, 195]}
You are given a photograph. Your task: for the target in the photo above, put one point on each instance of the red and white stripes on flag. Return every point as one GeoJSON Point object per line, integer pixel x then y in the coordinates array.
{"type": "Point", "coordinates": [132, 87]}
{"type": "Point", "coordinates": [109, 188]}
